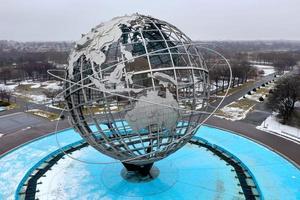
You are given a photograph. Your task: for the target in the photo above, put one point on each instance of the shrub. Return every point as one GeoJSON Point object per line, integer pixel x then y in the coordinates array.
{"type": "Point", "coordinates": [270, 91]}
{"type": "Point", "coordinates": [249, 93]}
{"type": "Point", "coordinates": [263, 85]}
{"type": "Point", "coordinates": [261, 99]}
{"type": "Point", "coordinates": [3, 103]}
{"type": "Point", "coordinates": [254, 90]}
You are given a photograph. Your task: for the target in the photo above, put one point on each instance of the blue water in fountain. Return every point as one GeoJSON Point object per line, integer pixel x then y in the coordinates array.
{"type": "Point", "coordinates": [190, 173]}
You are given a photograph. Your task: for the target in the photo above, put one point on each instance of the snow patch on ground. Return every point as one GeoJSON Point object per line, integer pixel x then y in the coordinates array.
{"type": "Point", "coordinates": [55, 85]}
{"type": "Point", "coordinates": [255, 96]}
{"type": "Point", "coordinates": [34, 96]}
{"type": "Point", "coordinates": [266, 68]}
{"type": "Point", "coordinates": [8, 87]}
{"type": "Point", "coordinates": [272, 125]}
{"type": "Point", "coordinates": [39, 99]}
{"type": "Point", "coordinates": [52, 85]}
{"type": "Point", "coordinates": [297, 104]}
{"type": "Point", "coordinates": [54, 107]}
{"type": "Point", "coordinates": [234, 113]}
{"type": "Point", "coordinates": [27, 82]}
{"type": "Point", "coordinates": [36, 85]}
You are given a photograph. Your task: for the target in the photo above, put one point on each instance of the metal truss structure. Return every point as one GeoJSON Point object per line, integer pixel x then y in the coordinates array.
{"type": "Point", "coordinates": [145, 79]}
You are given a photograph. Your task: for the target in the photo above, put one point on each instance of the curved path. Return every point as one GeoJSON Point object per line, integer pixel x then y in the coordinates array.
{"type": "Point", "coordinates": [276, 177]}
{"type": "Point", "coordinates": [285, 147]}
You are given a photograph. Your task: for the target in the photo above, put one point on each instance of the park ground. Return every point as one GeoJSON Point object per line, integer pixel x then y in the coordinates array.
{"type": "Point", "coordinates": [32, 114]}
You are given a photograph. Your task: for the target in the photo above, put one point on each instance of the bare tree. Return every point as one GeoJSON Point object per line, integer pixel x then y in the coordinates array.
{"type": "Point", "coordinates": [215, 74]}
{"type": "Point", "coordinates": [5, 75]}
{"type": "Point", "coordinates": [51, 94]}
{"type": "Point", "coordinates": [284, 96]}
{"type": "Point", "coordinates": [5, 93]}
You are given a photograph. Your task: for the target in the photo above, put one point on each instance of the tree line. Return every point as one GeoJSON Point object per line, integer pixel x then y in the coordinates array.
{"type": "Point", "coordinates": [241, 71]}
{"type": "Point", "coordinates": [281, 60]}
{"type": "Point", "coordinates": [26, 71]}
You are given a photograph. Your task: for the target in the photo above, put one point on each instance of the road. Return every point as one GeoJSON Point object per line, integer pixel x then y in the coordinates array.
{"type": "Point", "coordinates": [281, 145]}
{"type": "Point", "coordinates": [240, 93]}
{"type": "Point", "coordinates": [24, 105]}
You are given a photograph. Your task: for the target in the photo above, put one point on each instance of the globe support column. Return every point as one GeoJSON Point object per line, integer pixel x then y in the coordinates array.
{"type": "Point", "coordinates": [139, 170]}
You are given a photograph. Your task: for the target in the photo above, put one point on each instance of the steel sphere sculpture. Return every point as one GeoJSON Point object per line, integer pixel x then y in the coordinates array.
{"type": "Point", "coordinates": [132, 88]}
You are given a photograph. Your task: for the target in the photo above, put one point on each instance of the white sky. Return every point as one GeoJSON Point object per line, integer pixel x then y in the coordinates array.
{"type": "Point", "coordinates": [55, 20]}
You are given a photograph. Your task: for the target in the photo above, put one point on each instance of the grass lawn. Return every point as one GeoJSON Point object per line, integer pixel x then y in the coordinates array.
{"type": "Point", "coordinates": [45, 114]}
{"type": "Point", "coordinates": [244, 104]}
{"type": "Point", "coordinates": [60, 105]}
{"type": "Point", "coordinates": [237, 110]}
{"type": "Point", "coordinates": [12, 106]}
{"type": "Point", "coordinates": [26, 87]}
{"type": "Point", "coordinates": [9, 106]}
{"type": "Point", "coordinates": [96, 109]}
{"type": "Point", "coordinates": [265, 90]}
{"type": "Point", "coordinates": [101, 109]}
{"type": "Point", "coordinates": [236, 88]}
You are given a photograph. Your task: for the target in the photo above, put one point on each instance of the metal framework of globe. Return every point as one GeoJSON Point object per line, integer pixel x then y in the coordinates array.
{"type": "Point", "coordinates": [133, 87]}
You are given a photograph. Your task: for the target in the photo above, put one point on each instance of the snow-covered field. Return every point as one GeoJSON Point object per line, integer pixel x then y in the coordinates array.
{"type": "Point", "coordinates": [8, 87]}
{"type": "Point", "coordinates": [266, 68]}
{"type": "Point", "coordinates": [255, 96]}
{"type": "Point", "coordinates": [54, 85]}
{"type": "Point", "coordinates": [234, 113]}
{"type": "Point", "coordinates": [33, 95]}
{"type": "Point", "coordinates": [45, 114]}
{"type": "Point", "coordinates": [272, 125]}
{"type": "Point", "coordinates": [50, 85]}
{"type": "Point", "coordinates": [263, 91]}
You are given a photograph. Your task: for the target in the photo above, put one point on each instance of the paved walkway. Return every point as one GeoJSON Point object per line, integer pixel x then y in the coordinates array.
{"type": "Point", "coordinates": [238, 94]}
{"type": "Point", "coordinates": [285, 147]}
{"type": "Point", "coordinates": [24, 105]}
{"type": "Point", "coordinates": [16, 121]}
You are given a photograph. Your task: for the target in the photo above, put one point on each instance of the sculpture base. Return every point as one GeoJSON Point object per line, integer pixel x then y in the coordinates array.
{"type": "Point", "coordinates": [139, 173]}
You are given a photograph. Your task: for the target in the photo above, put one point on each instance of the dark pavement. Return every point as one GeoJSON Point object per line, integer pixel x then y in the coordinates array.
{"type": "Point", "coordinates": [14, 139]}
{"type": "Point", "coordinates": [285, 147]}
{"type": "Point", "coordinates": [24, 105]}
{"type": "Point", "coordinates": [17, 121]}
{"type": "Point", "coordinates": [245, 128]}
{"type": "Point", "coordinates": [240, 93]}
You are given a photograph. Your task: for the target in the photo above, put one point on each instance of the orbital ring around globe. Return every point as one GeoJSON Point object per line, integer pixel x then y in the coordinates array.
{"type": "Point", "coordinates": [137, 88]}
{"type": "Point", "coordinates": [183, 109]}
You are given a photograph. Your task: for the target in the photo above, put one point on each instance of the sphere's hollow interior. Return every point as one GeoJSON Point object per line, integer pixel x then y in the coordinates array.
{"type": "Point", "coordinates": [139, 75]}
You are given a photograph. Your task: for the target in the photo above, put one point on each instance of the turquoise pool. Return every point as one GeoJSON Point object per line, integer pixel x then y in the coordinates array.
{"type": "Point", "coordinates": [190, 173]}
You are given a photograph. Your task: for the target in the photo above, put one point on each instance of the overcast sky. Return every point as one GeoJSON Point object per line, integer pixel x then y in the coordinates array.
{"type": "Point", "coordinates": [56, 20]}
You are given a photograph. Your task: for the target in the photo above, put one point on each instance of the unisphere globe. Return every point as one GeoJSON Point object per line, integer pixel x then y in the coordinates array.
{"type": "Point", "coordinates": [134, 88]}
